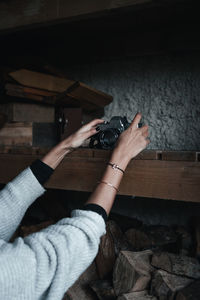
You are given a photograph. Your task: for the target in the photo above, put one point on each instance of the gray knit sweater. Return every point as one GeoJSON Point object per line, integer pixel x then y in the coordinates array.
{"type": "Point", "coordinates": [45, 264]}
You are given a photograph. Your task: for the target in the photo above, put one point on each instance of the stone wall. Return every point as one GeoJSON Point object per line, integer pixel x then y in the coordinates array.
{"type": "Point", "coordinates": [166, 89]}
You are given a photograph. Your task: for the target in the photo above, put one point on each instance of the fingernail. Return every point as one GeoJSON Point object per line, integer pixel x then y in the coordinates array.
{"type": "Point", "coordinates": [97, 128]}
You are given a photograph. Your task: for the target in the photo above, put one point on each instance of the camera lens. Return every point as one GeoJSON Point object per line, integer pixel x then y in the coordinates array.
{"type": "Point", "coordinates": [108, 138]}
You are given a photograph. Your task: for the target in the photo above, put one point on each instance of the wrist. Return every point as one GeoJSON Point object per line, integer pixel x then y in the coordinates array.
{"type": "Point", "coordinates": [119, 159]}
{"type": "Point", "coordinates": [66, 146]}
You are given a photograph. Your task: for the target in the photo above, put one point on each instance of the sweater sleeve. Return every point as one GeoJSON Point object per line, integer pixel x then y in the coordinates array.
{"type": "Point", "coordinates": [15, 198]}
{"type": "Point", "coordinates": [45, 264]}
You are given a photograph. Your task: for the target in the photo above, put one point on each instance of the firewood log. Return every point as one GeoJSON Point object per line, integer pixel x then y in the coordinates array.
{"type": "Point", "coordinates": [111, 243]}
{"type": "Point", "coordinates": [165, 285]}
{"type": "Point", "coordinates": [80, 290]}
{"type": "Point", "coordinates": [103, 289]}
{"type": "Point", "coordinates": [143, 295]}
{"type": "Point", "coordinates": [132, 271]}
{"type": "Point", "coordinates": [153, 237]}
{"type": "Point", "coordinates": [191, 292]}
{"type": "Point", "coordinates": [177, 264]}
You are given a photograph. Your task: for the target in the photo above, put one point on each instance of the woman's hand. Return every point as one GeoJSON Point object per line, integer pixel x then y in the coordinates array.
{"type": "Point", "coordinates": [76, 139]}
{"type": "Point", "coordinates": [56, 155]}
{"type": "Point", "coordinates": [130, 143]}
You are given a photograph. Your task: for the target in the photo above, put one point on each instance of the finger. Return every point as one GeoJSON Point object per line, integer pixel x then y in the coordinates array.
{"type": "Point", "coordinates": [144, 128]}
{"type": "Point", "coordinates": [89, 133]}
{"type": "Point", "coordinates": [136, 120]}
{"type": "Point", "coordinates": [93, 123]}
{"type": "Point", "coordinates": [148, 141]}
{"type": "Point", "coordinates": [145, 134]}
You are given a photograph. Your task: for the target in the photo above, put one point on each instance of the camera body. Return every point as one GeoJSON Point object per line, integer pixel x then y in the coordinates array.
{"type": "Point", "coordinates": [109, 133]}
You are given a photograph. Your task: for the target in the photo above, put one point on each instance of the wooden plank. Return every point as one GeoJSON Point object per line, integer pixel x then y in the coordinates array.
{"type": "Point", "coordinates": [179, 155]}
{"type": "Point", "coordinates": [92, 95]}
{"type": "Point", "coordinates": [23, 150]}
{"type": "Point", "coordinates": [65, 101]}
{"type": "Point", "coordinates": [29, 90]}
{"type": "Point", "coordinates": [41, 81]}
{"type": "Point", "coordinates": [28, 112]}
{"type": "Point", "coordinates": [175, 180]}
{"type": "Point", "coordinates": [38, 98]}
{"type": "Point", "coordinates": [19, 14]}
{"type": "Point", "coordinates": [19, 133]}
{"type": "Point", "coordinates": [81, 93]}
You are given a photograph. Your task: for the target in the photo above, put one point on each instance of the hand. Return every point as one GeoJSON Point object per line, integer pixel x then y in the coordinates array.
{"type": "Point", "coordinates": [131, 142]}
{"type": "Point", "coordinates": [76, 139]}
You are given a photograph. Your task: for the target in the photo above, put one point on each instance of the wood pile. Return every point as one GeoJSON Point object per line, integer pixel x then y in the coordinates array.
{"type": "Point", "coordinates": [123, 270]}
{"type": "Point", "coordinates": [32, 105]}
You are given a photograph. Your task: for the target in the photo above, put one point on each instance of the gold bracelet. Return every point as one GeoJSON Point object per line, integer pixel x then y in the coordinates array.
{"type": "Point", "coordinates": [109, 184]}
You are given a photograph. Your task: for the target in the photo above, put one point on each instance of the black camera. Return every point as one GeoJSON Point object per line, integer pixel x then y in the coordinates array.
{"type": "Point", "coordinates": [108, 133]}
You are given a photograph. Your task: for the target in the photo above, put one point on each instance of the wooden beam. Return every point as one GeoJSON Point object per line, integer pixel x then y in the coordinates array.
{"type": "Point", "coordinates": [175, 180]}
{"type": "Point", "coordinates": [21, 14]}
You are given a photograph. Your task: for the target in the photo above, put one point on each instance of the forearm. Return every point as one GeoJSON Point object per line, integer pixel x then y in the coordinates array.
{"type": "Point", "coordinates": [54, 157]}
{"type": "Point", "coordinates": [104, 195]}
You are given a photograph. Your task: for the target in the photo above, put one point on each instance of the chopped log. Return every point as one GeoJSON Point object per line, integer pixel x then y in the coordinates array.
{"type": "Point", "coordinates": [191, 292]}
{"type": "Point", "coordinates": [19, 133]}
{"type": "Point", "coordinates": [161, 237]}
{"type": "Point", "coordinates": [124, 222]}
{"type": "Point", "coordinates": [80, 290]}
{"type": "Point", "coordinates": [143, 295]}
{"type": "Point", "coordinates": [138, 239]}
{"type": "Point", "coordinates": [177, 264]}
{"type": "Point", "coordinates": [111, 243]}
{"type": "Point", "coordinates": [28, 112]}
{"type": "Point", "coordinates": [103, 289]}
{"type": "Point", "coordinates": [132, 271]}
{"type": "Point", "coordinates": [165, 285]}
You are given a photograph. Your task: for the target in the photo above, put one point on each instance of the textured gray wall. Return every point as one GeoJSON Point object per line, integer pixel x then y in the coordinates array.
{"type": "Point", "coordinates": [166, 89]}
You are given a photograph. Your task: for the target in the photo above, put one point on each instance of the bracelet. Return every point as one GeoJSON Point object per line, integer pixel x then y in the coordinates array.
{"type": "Point", "coordinates": [115, 167]}
{"type": "Point", "coordinates": [110, 184]}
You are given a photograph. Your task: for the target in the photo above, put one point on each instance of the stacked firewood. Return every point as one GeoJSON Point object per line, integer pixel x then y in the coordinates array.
{"type": "Point", "coordinates": [33, 104]}
{"type": "Point", "coordinates": [149, 262]}
{"type": "Point", "coordinates": [140, 263]}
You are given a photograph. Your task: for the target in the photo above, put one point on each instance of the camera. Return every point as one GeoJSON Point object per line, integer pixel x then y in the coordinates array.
{"type": "Point", "coordinates": [108, 133]}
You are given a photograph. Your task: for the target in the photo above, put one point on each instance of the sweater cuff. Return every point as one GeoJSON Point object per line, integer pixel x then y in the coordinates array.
{"type": "Point", "coordinates": [96, 208]}
{"type": "Point", "coordinates": [41, 171]}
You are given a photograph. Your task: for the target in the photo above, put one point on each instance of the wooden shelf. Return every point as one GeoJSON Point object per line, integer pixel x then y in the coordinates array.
{"type": "Point", "coordinates": [155, 174]}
